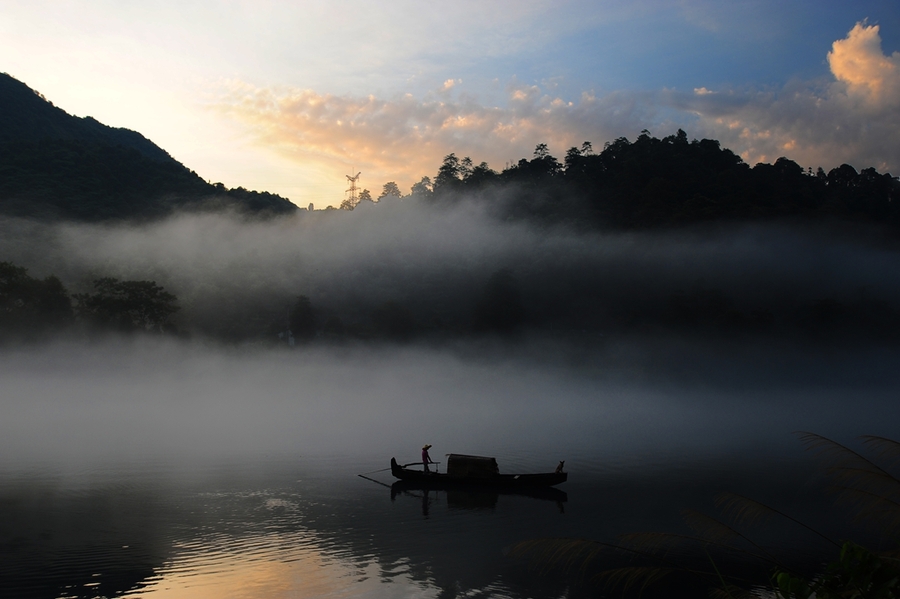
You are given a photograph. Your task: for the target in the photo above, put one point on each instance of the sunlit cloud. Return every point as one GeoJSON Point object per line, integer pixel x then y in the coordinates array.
{"type": "Point", "coordinates": [853, 118]}
{"type": "Point", "coordinates": [405, 138]}
{"type": "Point", "coordinates": [859, 62]}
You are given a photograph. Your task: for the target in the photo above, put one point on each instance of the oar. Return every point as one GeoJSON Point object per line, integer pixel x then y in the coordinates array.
{"type": "Point", "coordinates": [375, 471]}
{"type": "Point", "coordinates": [374, 481]}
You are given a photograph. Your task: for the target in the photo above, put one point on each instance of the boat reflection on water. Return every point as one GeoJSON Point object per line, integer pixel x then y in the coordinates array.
{"type": "Point", "coordinates": [473, 497]}
{"type": "Point", "coordinates": [468, 470]}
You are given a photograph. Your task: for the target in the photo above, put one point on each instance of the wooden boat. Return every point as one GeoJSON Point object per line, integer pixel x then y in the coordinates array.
{"type": "Point", "coordinates": [477, 471]}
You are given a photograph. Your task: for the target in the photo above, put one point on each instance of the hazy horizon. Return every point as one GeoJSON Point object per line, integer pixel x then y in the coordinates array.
{"type": "Point", "coordinates": [435, 261]}
{"type": "Point", "coordinates": [295, 97]}
{"type": "Point", "coordinates": [213, 448]}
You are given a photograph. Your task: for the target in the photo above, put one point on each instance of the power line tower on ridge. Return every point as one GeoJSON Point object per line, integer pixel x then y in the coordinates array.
{"type": "Point", "coordinates": [352, 199]}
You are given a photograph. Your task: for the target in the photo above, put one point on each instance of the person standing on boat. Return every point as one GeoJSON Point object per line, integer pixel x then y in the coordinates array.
{"type": "Point", "coordinates": [426, 459]}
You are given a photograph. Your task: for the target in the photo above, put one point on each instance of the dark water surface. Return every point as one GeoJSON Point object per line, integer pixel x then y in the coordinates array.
{"type": "Point", "coordinates": [311, 527]}
{"type": "Point", "coordinates": [167, 471]}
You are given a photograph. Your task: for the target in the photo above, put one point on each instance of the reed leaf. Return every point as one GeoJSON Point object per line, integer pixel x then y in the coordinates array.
{"type": "Point", "coordinates": [636, 576]}
{"type": "Point", "coordinates": [733, 592]}
{"type": "Point", "coordinates": [866, 477]}
{"type": "Point", "coordinates": [718, 530]}
{"type": "Point", "coordinates": [886, 449]}
{"type": "Point", "coordinates": [709, 528]}
{"type": "Point", "coordinates": [745, 510]}
{"type": "Point", "coordinates": [666, 547]}
{"type": "Point", "coordinates": [561, 552]}
{"type": "Point", "coordinates": [629, 577]}
{"type": "Point", "coordinates": [841, 456]}
{"type": "Point", "coordinates": [872, 507]}
{"type": "Point", "coordinates": [858, 573]}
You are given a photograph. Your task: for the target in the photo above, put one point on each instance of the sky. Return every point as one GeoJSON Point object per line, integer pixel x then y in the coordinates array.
{"type": "Point", "coordinates": [290, 97]}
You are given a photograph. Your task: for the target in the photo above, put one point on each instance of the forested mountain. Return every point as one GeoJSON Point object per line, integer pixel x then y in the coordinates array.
{"type": "Point", "coordinates": [563, 281]}
{"type": "Point", "coordinates": [652, 183]}
{"type": "Point", "coordinates": [57, 166]}
{"type": "Point", "coordinates": [54, 165]}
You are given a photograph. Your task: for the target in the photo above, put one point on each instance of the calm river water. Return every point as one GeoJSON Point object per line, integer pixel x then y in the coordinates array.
{"type": "Point", "coordinates": [159, 470]}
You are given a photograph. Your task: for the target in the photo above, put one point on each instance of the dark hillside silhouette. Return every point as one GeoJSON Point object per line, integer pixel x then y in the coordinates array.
{"type": "Point", "coordinates": [57, 166]}
{"type": "Point", "coordinates": [54, 166]}
{"type": "Point", "coordinates": [28, 116]}
{"type": "Point", "coordinates": [669, 182]}
{"type": "Point", "coordinates": [72, 179]}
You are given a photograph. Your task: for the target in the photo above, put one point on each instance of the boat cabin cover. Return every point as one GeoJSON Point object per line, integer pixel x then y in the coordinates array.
{"type": "Point", "coordinates": [471, 466]}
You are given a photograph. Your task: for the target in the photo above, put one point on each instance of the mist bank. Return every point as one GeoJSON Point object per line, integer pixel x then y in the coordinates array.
{"type": "Point", "coordinates": [409, 271]}
{"type": "Point", "coordinates": [142, 400]}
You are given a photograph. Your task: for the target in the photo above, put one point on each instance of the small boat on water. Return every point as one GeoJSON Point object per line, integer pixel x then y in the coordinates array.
{"type": "Point", "coordinates": [475, 470]}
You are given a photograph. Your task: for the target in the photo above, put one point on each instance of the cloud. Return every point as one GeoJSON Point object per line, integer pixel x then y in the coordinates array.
{"type": "Point", "coordinates": [858, 62]}
{"type": "Point", "coordinates": [854, 118]}
{"type": "Point", "coordinates": [404, 138]}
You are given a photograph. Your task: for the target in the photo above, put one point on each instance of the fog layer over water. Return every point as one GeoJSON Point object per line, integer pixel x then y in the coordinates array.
{"type": "Point", "coordinates": [237, 277]}
{"type": "Point", "coordinates": [582, 394]}
{"type": "Point", "coordinates": [649, 420]}
{"type": "Point", "coordinates": [139, 400]}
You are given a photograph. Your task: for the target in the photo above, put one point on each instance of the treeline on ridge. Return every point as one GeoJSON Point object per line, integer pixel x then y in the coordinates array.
{"type": "Point", "coordinates": [57, 166]}
{"type": "Point", "coordinates": [666, 182]}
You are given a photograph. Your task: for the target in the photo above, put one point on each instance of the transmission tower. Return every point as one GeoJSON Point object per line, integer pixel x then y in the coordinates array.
{"type": "Point", "coordinates": [352, 199]}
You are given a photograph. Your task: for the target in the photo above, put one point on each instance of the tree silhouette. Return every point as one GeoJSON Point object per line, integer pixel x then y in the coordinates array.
{"type": "Point", "coordinates": [390, 189]}
{"type": "Point", "coordinates": [481, 176]}
{"type": "Point", "coordinates": [422, 189]}
{"type": "Point", "coordinates": [31, 307]}
{"type": "Point", "coordinates": [127, 306]}
{"type": "Point", "coordinates": [449, 173]}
